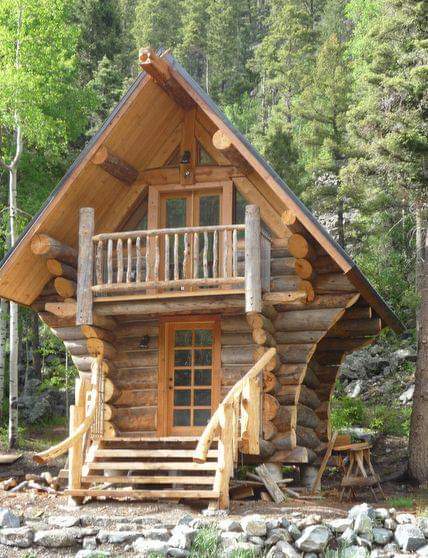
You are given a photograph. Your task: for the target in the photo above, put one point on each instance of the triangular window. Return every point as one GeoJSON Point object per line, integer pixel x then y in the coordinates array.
{"type": "Point", "coordinates": [204, 158]}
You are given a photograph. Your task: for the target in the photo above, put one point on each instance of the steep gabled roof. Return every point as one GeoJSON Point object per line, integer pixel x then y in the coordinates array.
{"type": "Point", "coordinates": [135, 130]}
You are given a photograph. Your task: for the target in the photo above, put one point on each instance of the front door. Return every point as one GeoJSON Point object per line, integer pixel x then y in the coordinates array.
{"type": "Point", "coordinates": [192, 370]}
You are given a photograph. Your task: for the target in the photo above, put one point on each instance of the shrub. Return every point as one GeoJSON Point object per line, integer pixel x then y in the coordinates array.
{"type": "Point", "coordinates": [401, 502]}
{"type": "Point", "coordinates": [347, 412]}
{"type": "Point", "coordinates": [394, 421]}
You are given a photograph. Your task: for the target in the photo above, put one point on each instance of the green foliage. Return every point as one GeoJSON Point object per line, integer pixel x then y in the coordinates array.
{"type": "Point", "coordinates": [206, 543]}
{"type": "Point", "coordinates": [389, 420]}
{"type": "Point", "coordinates": [401, 502]}
{"type": "Point", "coordinates": [347, 412]}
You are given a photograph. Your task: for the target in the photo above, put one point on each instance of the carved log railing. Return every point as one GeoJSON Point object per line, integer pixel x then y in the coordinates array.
{"type": "Point", "coordinates": [170, 259]}
{"type": "Point", "coordinates": [237, 426]}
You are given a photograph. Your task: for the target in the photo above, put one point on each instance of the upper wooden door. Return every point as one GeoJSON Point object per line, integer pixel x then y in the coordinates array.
{"type": "Point", "coordinates": [191, 376]}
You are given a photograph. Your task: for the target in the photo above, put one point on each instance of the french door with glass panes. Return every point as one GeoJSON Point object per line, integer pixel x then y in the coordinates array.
{"type": "Point", "coordinates": [192, 366]}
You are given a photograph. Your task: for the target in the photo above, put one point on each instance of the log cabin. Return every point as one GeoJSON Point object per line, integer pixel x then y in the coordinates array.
{"type": "Point", "coordinates": [205, 308]}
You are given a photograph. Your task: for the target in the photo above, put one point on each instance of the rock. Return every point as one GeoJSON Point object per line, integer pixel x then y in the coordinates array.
{"type": "Point", "coordinates": [294, 531]}
{"type": "Point", "coordinates": [381, 514]}
{"type": "Point", "coordinates": [283, 550]}
{"type": "Point", "coordinates": [274, 523]}
{"type": "Point", "coordinates": [254, 525]}
{"type": "Point", "coordinates": [407, 395]}
{"type": "Point", "coordinates": [404, 518]}
{"type": "Point", "coordinates": [362, 541]}
{"type": "Point", "coordinates": [256, 540]}
{"type": "Point", "coordinates": [156, 534]}
{"type": "Point", "coordinates": [60, 538]}
{"type": "Point", "coordinates": [147, 548]}
{"type": "Point", "coordinates": [409, 537]}
{"type": "Point", "coordinates": [87, 553]}
{"type": "Point", "coordinates": [276, 535]}
{"type": "Point", "coordinates": [230, 525]}
{"type": "Point", "coordinates": [405, 354]}
{"type": "Point", "coordinates": [285, 523]}
{"type": "Point", "coordinates": [89, 543]}
{"type": "Point", "coordinates": [215, 513]}
{"type": "Point", "coordinates": [382, 536]}
{"type": "Point", "coordinates": [362, 508]}
{"type": "Point", "coordinates": [423, 551]}
{"type": "Point", "coordinates": [381, 553]}
{"type": "Point", "coordinates": [229, 538]}
{"type": "Point", "coordinates": [312, 519]}
{"type": "Point", "coordinates": [62, 521]}
{"type": "Point", "coordinates": [314, 538]}
{"type": "Point", "coordinates": [9, 519]}
{"type": "Point", "coordinates": [392, 512]}
{"type": "Point", "coordinates": [354, 552]}
{"type": "Point", "coordinates": [363, 434]}
{"type": "Point", "coordinates": [390, 523]}
{"type": "Point", "coordinates": [185, 519]}
{"type": "Point", "coordinates": [118, 537]}
{"type": "Point", "coordinates": [363, 525]}
{"type": "Point", "coordinates": [422, 523]}
{"type": "Point", "coordinates": [17, 536]}
{"type": "Point", "coordinates": [182, 537]}
{"type": "Point", "coordinates": [339, 525]}
{"type": "Point", "coordinates": [391, 547]}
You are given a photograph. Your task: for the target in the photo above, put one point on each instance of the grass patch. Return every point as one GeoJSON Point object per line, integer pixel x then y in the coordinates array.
{"type": "Point", "coordinates": [206, 543]}
{"type": "Point", "coordinates": [401, 502]}
{"type": "Point", "coordinates": [240, 553]}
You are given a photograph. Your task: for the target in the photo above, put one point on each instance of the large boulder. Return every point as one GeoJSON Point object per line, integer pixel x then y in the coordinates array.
{"type": "Point", "coordinates": [61, 538]}
{"type": "Point", "coordinates": [314, 539]}
{"type": "Point", "coordinates": [118, 537]}
{"type": "Point", "coordinates": [254, 525]}
{"type": "Point", "coordinates": [147, 548]}
{"type": "Point", "coordinates": [409, 537]}
{"type": "Point", "coordinates": [21, 537]}
{"type": "Point", "coordinates": [283, 549]}
{"type": "Point", "coordinates": [382, 536]}
{"type": "Point", "coordinates": [339, 525]}
{"type": "Point", "coordinates": [363, 525]}
{"type": "Point", "coordinates": [63, 521]}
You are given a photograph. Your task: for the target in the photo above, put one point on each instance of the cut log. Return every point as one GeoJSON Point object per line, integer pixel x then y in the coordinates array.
{"type": "Point", "coordinates": [358, 313]}
{"type": "Point", "coordinates": [298, 337]}
{"type": "Point", "coordinates": [270, 383]}
{"type": "Point", "coordinates": [269, 430]}
{"type": "Point", "coordinates": [285, 297]}
{"type": "Point", "coordinates": [223, 143]}
{"type": "Point", "coordinates": [290, 283]}
{"type": "Point", "coordinates": [333, 283]}
{"type": "Point", "coordinates": [61, 309]}
{"type": "Point", "coordinates": [274, 362]}
{"type": "Point", "coordinates": [258, 321]}
{"type": "Point", "coordinates": [290, 374]}
{"type": "Point", "coordinates": [311, 379]}
{"type": "Point", "coordinates": [56, 321]}
{"type": "Point", "coordinates": [98, 333]}
{"type": "Point", "coordinates": [39, 305]}
{"type": "Point", "coordinates": [299, 247]}
{"type": "Point", "coordinates": [307, 437]}
{"type": "Point", "coordinates": [98, 347]}
{"type": "Point", "coordinates": [65, 287]}
{"type": "Point", "coordinates": [304, 269]}
{"type": "Point", "coordinates": [61, 269]}
{"type": "Point", "coordinates": [285, 418]}
{"type": "Point", "coordinates": [270, 406]}
{"type": "Point", "coordinates": [309, 320]}
{"type": "Point", "coordinates": [285, 440]}
{"type": "Point", "coordinates": [288, 394]}
{"type": "Point", "coordinates": [48, 289]}
{"type": "Point", "coordinates": [111, 393]}
{"type": "Point", "coordinates": [45, 245]}
{"type": "Point", "coordinates": [76, 347]}
{"type": "Point", "coordinates": [289, 217]}
{"type": "Point", "coordinates": [266, 449]}
{"type": "Point", "coordinates": [307, 417]}
{"type": "Point", "coordinates": [296, 455]}
{"type": "Point", "coordinates": [296, 353]}
{"type": "Point", "coordinates": [115, 166]}
{"type": "Point", "coordinates": [263, 337]}
{"type": "Point", "coordinates": [271, 486]}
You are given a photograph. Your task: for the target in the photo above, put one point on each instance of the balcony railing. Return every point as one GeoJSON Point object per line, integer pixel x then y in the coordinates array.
{"type": "Point", "coordinates": [172, 260]}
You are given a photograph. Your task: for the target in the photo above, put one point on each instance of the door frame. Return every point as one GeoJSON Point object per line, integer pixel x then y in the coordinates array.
{"type": "Point", "coordinates": [163, 383]}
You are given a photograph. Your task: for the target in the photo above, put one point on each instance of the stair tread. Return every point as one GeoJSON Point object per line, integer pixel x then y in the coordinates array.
{"type": "Point", "coordinates": [136, 494]}
{"type": "Point", "coordinates": [161, 466]}
{"type": "Point", "coordinates": [131, 437]}
{"type": "Point", "coordinates": [129, 452]}
{"type": "Point", "coordinates": [157, 479]}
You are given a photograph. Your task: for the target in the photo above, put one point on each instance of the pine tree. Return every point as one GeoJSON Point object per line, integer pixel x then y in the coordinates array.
{"type": "Point", "coordinates": [158, 23]}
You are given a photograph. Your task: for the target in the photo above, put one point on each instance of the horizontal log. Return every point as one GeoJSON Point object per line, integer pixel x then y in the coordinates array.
{"type": "Point", "coordinates": [65, 287]}
{"type": "Point", "coordinates": [335, 344]}
{"type": "Point", "coordinates": [299, 247]}
{"type": "Point", "coordinates": [316, 319]}
{"type": "Point", "coordinates": [286, 297]}
{"type": "Point", "coordinates": [111, 392]}
{"type": "Point", "coordinates": [136, 398]}
{"type": "Point", "coordinates": [285, 420]}
{"type": "Point", "coordinates": [56, 321]}
{"type": "Point", "coordinates": [291, 374]}
{"type": "Point", "coordinates": [330, 357]}
{"type": "Point", "coordinates": [333, 283]}
{"type": "Point", "coordinates": [45, 245]}
{"type": "Point", "coordinates": [39, 305]}
{"type": "Point", "coordinates": [136, 378]}
{"type": "Point", "coordinates": [308, 397]}
{"type": "Point", "coordinates": [283, 266]}
{"type": "Point", "coordinates": [274, 362]}
{"type": "Point", "coordinates": [263, 337]}
{"type": "Point", "coordinates": [236, 339]}
{"type": "Point", "coordinates": [311, 379]}
{"type": "Point", "coordinates": [138, 329]}
{"type": "Point", "coordinates": [235, 324]}
{"type": "Point", "coordinates": [291, 337]}
{"type": "Point", "coordinates": [138, 359]}
{"type": "Point", "coordinates": [48, 289]}
{"type": "Point", "coordinates": [296, 353]}
{"type": "Point", "coordinates": [237, 355]}
{"type": "Point", "coordinates": [61, 269]}
{"type": "Point", "coordinates": [98, 347]}
{"type": "Point", "coordinates": [304, 269]}
{"type": "Point", "coordinates": [358, 312]}
{"type": "Point", "coordinates": [62, 309]}
{"type": "Point", "coordinates": [296, 455]}
{"type": "Point", "coordinates": [285, 440]}
{"type": "Point", "coordinates": [288, 395]}
{"type": "Point", "coordinates": [326, 264]}
{"type": "Point", "coordinates": [290, 283]}
{"type": "Point", "coordinates": [259, 321]}
{"type": "Point", "coordinates": [269, 430]}
{"type": "Point", "coordinates": [360, 326]}
{"type": "Point", "coordinates": [135, 419]}
{"type": "Point", "coordinates": [327, 374]}
{"type": "Point", "coordinates": [270, 406]}
{"type": "Point", "coordinates": [307, 416]}
{"type": "Point", "coordinates": [115, 166]}
{"type": "Point", "coordinates": [266, 448]}
{"type": "Point", "coordinates": [76, 347]}
{"type": "Point", "coordinates": [82, 363]}
{"type": "Point", "coordinates": [98, 333]}
{"type": "Point", "coordinates": [322, 301]}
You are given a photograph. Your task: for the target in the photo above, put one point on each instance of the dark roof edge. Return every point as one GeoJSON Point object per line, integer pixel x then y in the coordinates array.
{"type": "Point", "coordinates": [355, 274]}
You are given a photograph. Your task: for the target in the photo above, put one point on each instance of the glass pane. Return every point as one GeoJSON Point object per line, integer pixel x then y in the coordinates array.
{"type": "Point", "coordinates": [202, 397]}
{"type": "Point", "coordinates": [182, 397]}
{"type": "Point", "coordinates": [201, 417]}
{"type": "Point", "coordinates": [203, 337]}
{"type": "Point", "coordinates": [183, 378]}
{"type": "Point", "coordinates": [175, 212]}
{"type": "Point", "coordinates": [203, 157]}
{"type": "Point", "coordinates": [183, 357]}
{"type": "Point", "coordinates": [181, 417]}
{"type": "Point", "coordinates": [203, 357]}
{"type": "Point", "coordinates": [183, 337]}
{"type": "Point", "coordinates": [202, 377]}
{"type": "Point", "coordinates": [209, 210]}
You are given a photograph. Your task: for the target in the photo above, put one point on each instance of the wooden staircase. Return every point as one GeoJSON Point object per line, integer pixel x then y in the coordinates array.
{"type": "Point", "coordinates": [147, 468]}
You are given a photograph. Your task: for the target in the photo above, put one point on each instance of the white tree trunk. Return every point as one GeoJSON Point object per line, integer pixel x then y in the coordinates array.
{"type": "Point", "coordinates": [13, 324]}
{"type": "Point", "coordinates": [3, 338]}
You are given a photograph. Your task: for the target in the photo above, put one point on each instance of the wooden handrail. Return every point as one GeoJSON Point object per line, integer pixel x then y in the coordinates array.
{"type": "Point", "coordinates": [155, 232]}
{"type": "Point", "coordinates": [210, 431]}
{"type": "Point", "coordinates": [64, 445]}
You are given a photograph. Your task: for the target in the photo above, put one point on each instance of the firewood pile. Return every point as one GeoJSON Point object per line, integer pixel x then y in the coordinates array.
{"type": "Point", "coordinates": [45, 482]}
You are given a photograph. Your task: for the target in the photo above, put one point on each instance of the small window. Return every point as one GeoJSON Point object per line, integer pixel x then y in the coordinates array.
{"type": "Point", "coordinates": [204, 158]}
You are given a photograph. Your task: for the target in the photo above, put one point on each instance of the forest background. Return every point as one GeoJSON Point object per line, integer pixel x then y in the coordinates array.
{"type": "Point", "coordinates": [332, 92]}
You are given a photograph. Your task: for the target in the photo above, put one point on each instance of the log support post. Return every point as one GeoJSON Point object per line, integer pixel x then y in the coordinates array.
{"type": "Point", "coordinates": [253, 288]}
{"type": "Point", "coordinates": [75, 453]}
{"type": "Point", "coordinates": [84, 312]}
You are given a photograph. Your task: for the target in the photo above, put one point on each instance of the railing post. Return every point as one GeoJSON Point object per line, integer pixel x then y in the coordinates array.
{"type": "Point", "coordinates": [253, 289]}
{"type": "Point", "coordinates": [75, 453]}
{"type": "Point", "coordinates": [85, 266]}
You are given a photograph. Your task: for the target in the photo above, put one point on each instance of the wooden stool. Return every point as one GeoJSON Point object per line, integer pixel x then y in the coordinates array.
{"type": "Point", "coordinates": [359, 472]}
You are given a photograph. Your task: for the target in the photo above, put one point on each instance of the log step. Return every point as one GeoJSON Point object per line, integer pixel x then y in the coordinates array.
{"type": "Point", "coordinates": [155, 466]}
{"type": "Point", "coordinates": [154, 453]}
{"type": "Point", "coordinates": [158, 479]}
{"type": "Point", "coordinates": [143, 494]}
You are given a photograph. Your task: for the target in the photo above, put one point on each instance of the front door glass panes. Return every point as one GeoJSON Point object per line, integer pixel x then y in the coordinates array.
{"type": "Point", "coordinates": [192, 377]}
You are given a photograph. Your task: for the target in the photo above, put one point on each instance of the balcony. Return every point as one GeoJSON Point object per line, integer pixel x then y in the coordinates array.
{"type": "Point", "coordinates": [164, 263]}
